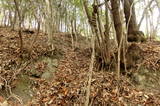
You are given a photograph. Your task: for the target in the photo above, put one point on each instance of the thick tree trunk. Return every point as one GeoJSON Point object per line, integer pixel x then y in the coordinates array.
{"type": "Point", "coordinates": [117, 19]}
{"type": "Point", "coordinates": [130, 16]}
{"type": "Point", "coordinates": [49, 21]}
{"type": "Point", "coordinates": [134, 35]}
{"type": "Point", "coordinates": [115, 4]}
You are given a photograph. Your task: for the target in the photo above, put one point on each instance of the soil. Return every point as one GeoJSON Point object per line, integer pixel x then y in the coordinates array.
{"type": "Point", "coordinates": [59, 76]}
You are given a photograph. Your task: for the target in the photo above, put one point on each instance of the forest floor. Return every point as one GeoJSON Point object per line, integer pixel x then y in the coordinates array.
{"type": "Point", "coordinates": [58, 76]}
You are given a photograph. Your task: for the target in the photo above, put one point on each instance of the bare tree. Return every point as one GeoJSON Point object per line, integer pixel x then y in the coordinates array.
{"type": "Point", "coordinates": [129, 10]}
{"type": "Point", "coordinates": [20, 24]}
{"type": "Point", "coordinates": [115, 4]}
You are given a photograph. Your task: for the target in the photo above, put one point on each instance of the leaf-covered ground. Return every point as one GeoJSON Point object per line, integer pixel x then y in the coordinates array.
{"type": "Point", "coordinates": [67, 87]}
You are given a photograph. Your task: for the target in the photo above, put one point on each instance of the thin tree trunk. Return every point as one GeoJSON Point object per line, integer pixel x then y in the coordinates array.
{"type": "Point", "coordinates": [90, 72]}
{"type": "Point", "coordinates": [144, 12]}
{"type": "Point", "coordinates": [5, 19]}
{"type": "Point", "coordinates": [10, 19]}
{"type": "Point", "coordinates": [20, 28]}
{"type": "Point", "coordinates": [14, 20]}
{"type": "Point", "coordinates": [34, 38]}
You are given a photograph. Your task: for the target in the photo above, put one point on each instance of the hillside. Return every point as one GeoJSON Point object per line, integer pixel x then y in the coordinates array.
{"type": "Point", "coordinates": [59, 76]}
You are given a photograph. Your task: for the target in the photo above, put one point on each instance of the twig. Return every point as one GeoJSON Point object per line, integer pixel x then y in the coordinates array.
{"type": "Point", "coordinates": [19, 70]}
{"type": "Point", "coordinates": [14, 96]}
{"type": "Point", "coordinates": [8, 88]}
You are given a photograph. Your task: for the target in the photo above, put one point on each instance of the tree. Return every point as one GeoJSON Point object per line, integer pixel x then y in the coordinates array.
{"type": "Point", "coordinates": [103, 54]}
{"type": "Point", "coordinates": [115, 4]}
{"type": "Point", "coordinates": [49, 20]}
{"type": "Point", "coordinates": [130, 16]}
{"type": "Point", "coordinates": [20, 24]}
{"type": "Point", "coordinates": [133, 31]}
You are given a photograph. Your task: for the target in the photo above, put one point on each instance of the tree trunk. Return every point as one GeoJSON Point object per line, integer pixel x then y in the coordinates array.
{"type": "Point", "coordinates": [5, 19]}
{"type": "Point", "coordinates": [49, 21]}
{"type": "Point", "coordinates": [10, 19]}
{"type": "Point", "coordinates": [134, 35]}
{"type": "Point", "coordinates": [130, 16]}
{"type": "Point", "coordinates": [115, 4]}
{"type": "Point", "coordinates": [144, 12]}
{"type": "Point", "coordinates": [117, 19]}
{"type": "Point", "coordinates": [106, 34]}
{"type": "Point", "coordinates": [14, 20]}
{"type": "Point", "coordinates": [20, 28]}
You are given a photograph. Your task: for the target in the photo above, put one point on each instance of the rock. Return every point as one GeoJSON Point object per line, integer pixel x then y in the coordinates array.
{"type": "Point", "coordinates": [55, 62]}
{"type": "Point", "coordinates": [51, 62]}
{"type": "Point", "coordinates": [23, 88]}
{"type": "Point", "coordinates": [146, 79]}
{"type": "Point", "coordinates": [139, 79]}
{"type": "Point", "coordinates": [136, 36]}
{"type": "Point", "coordinates": [53, 69]}
{"type": "Point", "coordinates": [35, 73]}
{"type": "Point", "coordinates": [47, 75]}
{"type": "Point", "coordinates": [133, 55]}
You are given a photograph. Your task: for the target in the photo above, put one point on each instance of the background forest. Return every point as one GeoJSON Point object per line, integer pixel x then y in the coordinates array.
{"type": "Point", "coordinates": [79, 52]}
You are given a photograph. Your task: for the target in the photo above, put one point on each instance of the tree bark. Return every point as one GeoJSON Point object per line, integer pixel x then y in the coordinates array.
{"type": "Point", "coordinates": [49, 21]}
{"type": "Point", "coordinates": [20, 27]}
{"type": "Point", "coordinates": [133, 33]}
{"type": "Point", "coordinates": [130, 16]}
{"type": "Point", "coordinates": [14, 20]}
{"type": "Point", "coordinates": [117, 19]}
{"type": "Point", "coordinates": [115, 4]}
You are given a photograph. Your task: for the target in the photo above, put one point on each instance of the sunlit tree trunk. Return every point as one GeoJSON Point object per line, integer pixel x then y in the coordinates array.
{"type": "Point", "coordinates": [14, 20]}
{"type": "Point", "coordinates": [49, 21]}
{"type": "Point", "coordinates": [4, 20]}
